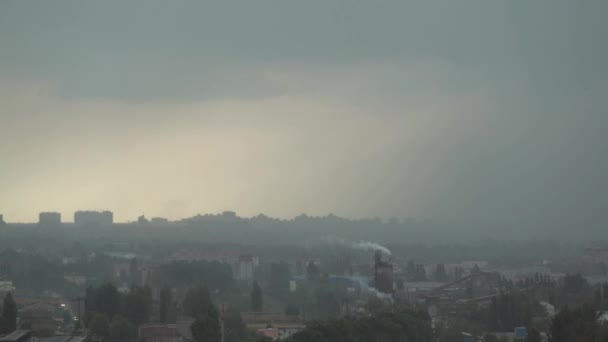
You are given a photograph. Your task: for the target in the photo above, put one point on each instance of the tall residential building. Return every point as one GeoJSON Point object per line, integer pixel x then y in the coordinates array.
{"type": "Point", "coordinates": [48, 218]}
{"type": "Point", "coordinates": [93, 218]}
{"type": "Point", "coordinates": [246, 267]}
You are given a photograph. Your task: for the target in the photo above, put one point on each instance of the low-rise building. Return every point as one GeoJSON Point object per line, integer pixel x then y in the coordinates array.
{"type": "Point", "coordinates": [177, 332]}
{"type": "Point", "coordinates": [276, 326]}
{"type": "Point", "coordinates": [42, 319]}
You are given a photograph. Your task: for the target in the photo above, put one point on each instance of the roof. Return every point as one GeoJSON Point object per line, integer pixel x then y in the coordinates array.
{"type": "Point", "coordinates": [16, 335]}
{"type": "Point", "coordinates": [166, 330]}
{"type": "Point", "coordinates": [61, 338]}
{"type": "Point", "coordinates": [269, 317]}
{"type": "Point", "coordinates": [38, 310]}
{"type": "Point", "coordinates": [259, 326]}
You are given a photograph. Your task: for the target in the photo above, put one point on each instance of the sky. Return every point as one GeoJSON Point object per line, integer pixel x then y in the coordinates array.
{"type": "Point", "coordinates": [488, 113]}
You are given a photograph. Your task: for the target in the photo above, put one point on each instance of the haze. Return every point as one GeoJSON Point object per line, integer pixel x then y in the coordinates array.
{"type": "Point", "coordinates": [470, 112]}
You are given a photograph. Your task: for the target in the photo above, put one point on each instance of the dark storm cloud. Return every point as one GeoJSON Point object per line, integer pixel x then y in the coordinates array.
{"type": "Point", "coordinates": [150, 50]}
{"type": "Point", "coordinates": [490, 113]}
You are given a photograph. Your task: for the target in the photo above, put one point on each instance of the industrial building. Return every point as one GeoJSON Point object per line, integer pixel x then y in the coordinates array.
{"type": "Point", "coordinates": [383, 274]}
{"type": "Point", "coordinates": [49, 218]}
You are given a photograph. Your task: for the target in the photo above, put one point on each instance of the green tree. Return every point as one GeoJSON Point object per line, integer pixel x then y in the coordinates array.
{"type": "Point", "coordinates": [100, 325]}
{"type": "Point", "coordinates": [256, 297]}
{"type": "Point", "coordinates": [107, 300]}
{"type": "Point", "coordinates": [575, 325]}
{"type": "Point", "coordinates": [165, 303]}
{"type": "Point", "coordinates": [9, 314]}
{"type": "Point", "coordinates": [197, 301]}
{"type": "Point", "coordinates": [279, 278]}
{"type": "Point", "coordinates": [121, 328]}
{"type": "Point", "coordinates": [90, 298]}
{"type": "Point", "coordinates": [234, 327]}
{"type": "Point", "coordinates": [510, 310]}
{"type": "Point", "coordinates": [402, 325]}
{"type": "Point", "coordinates": [206, 327]}
{"type": "Point", "coordinates": [138, 305]}
{"type": "Point", "coordinates": [533, 336]}
{"type": "Point", "coordinates": [575, 283]}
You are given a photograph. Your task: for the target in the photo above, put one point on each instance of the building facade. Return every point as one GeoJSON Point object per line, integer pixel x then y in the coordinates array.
{"type": "Point", "coordinates": [48, 218]}
{"type": "Point", "coordinates": [93, 218]}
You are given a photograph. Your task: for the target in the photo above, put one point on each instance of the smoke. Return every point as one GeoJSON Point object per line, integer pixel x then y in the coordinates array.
{"type": "Point", "coordinates": [371, 246]}
{"type": "Point", "coordinates": [361, 245]}
{"type": "Point", "coordinates": [383, 296]}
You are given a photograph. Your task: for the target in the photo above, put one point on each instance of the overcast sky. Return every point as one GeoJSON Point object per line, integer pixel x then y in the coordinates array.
{"type": "Point", "coordinates": [489, 112]}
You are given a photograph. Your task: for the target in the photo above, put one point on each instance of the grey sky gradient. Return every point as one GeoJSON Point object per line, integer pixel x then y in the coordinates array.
{"type": "Point", "coordinates": [492, 113]}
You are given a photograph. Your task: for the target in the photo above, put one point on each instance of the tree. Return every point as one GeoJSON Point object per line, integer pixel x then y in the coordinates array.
{"type": "Point", "coordinates": [107, 300]}
{"type": "Point", "coordinates": [279, 278]}
{"type": "Point", "coordinates": [121, 328]}
{"type": "Point", "coordinates": [575, 325]}
{"type": "Point", "coordinates": [206, 327]}
{"type": "Point", "coordinates": [256, 298]}
{"type": "Point", "coordinates": [9, 314]}
{"type": "Point", "coordinates": [533, 336]}
{"type": "Point", "coordinates": [574, 283]}
{"type": "Point", "coordinates": [100, 325]}
{"type": "Point", "coordinates": [402, 325]}
{"type": "Point", "coordinates": [165, 303]}
{"type": "Point", "coordinates": [197, 301]}
{"type": "Point", "coordinates": [234, 327]}
{"type": "Point", "coordinates": [510, 310]}
{"type": "Point", "coordinates": [138, 305]}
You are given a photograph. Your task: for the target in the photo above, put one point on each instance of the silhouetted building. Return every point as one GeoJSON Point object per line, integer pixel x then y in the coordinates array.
{"type": "Point", "coordinates": [383, 274]}
{"type": "Point", "coordinates": [49, 219]}
{"type": "Point", "coordinates": [2, 219]}
{"type": "Point", "coordinates": [95, 218]}
{"type": "Point", "coordinates": [159, 220]}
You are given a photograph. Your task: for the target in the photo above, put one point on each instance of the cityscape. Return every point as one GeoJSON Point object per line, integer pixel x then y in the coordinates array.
{"type": "Point", "coordinates": [303, 171]}
{"type": "Point", "coordinates": [148, 279]}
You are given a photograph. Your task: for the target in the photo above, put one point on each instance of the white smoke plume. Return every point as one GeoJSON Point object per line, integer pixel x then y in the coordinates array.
{"type": "Point", "coordinates": [371, 246]}
{"type": "Point", "coordinates": [361, 245]}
